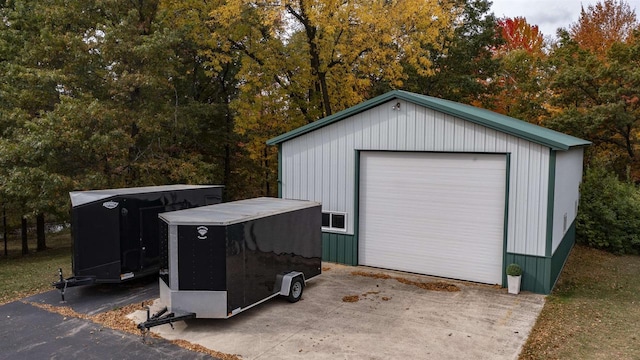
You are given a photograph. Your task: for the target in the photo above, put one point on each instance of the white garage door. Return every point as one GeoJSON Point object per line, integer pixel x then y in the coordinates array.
{"type": "Point", "coordinates": [439, 214]}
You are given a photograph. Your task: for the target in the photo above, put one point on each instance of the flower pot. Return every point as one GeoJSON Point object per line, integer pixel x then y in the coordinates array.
{"type": "Point", "coordinates": [514, 284]}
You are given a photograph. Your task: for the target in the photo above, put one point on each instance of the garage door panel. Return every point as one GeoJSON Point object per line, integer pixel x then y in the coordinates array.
{"type": "Point", "coordinates": [437, 214]}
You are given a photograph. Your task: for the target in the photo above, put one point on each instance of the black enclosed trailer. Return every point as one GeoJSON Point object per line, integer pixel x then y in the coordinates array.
{"type": "Point", "coordinates": [115, 231]}
{"type": "Point", "coordinates": [223, 259]}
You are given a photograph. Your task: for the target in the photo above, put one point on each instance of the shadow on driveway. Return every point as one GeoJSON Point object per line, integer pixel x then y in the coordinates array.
{"type": "Point", "coordinates": [95, 299]}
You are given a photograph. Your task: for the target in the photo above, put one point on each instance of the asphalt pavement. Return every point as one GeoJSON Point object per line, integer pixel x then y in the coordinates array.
{"type": "Point", "coordinates": [29, 332]}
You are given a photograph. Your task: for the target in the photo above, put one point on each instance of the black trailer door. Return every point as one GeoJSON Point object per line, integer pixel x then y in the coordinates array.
{"type": "Point", "coordinates": [97, 224]}
{"type": "Point", "coordinates": [201, 258]}
{"type": "Point", "coordinates": [149, 236]}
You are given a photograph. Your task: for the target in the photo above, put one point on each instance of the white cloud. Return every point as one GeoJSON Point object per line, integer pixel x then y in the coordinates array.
{"type": "Point", "coordinates": [549, 15]}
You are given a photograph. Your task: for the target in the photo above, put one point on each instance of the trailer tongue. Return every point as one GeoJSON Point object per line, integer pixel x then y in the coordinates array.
{"type": "Point", "coordinates": [163, 317]}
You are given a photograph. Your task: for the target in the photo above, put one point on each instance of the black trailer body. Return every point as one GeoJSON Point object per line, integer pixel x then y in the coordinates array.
{"type": "Point", "coordinates": [115, 231]}
{"type": "Point", "coordinates": [223, 259]}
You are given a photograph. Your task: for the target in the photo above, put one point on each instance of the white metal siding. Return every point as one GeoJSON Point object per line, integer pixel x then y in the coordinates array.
{"type": "Point", "coordinates": [568, 178]}
{"type": "Point", "coordinates": [416, 128]}
{"type": "Point", "coordinates": [433, 213]}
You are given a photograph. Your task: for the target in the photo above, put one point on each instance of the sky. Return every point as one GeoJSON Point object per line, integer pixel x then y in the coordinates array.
{"type": "Point", "coordinates": [549, 15]}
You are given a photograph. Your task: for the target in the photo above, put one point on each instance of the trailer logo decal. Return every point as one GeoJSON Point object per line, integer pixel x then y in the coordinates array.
{"type": "Point", "coordinates": [202, 232]}
{"type": "Point", "coordinates": [110, 204]}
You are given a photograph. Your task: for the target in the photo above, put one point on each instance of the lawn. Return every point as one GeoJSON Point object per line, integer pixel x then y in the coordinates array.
{"type": "Point", "coordinates": [593, 312]}
{"type": "Point", "coordinates": [22, 276]}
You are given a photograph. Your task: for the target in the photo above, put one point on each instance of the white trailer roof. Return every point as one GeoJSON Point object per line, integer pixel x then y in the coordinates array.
{"type": "Point", "coordinates": [84, 197]}
{"type": "Point", "coordinates": [235, 212]}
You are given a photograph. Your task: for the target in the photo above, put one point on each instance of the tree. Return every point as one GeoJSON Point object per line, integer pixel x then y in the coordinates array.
{"type": "Point", "coordinates": [520, 81]}
{"type": "Point", "coordinates": [207, 87]}
{"type": "Point", "coordinates": [465, 61]}
{"type": "Point", "coordinates": [609, 216]}
{"type": "Point", "coordinates": [518, 34]}
{"type": "Point", "coordinates": [4, 228]}
{"type": "Point", "coordinates": [522, 72]}
{"type": "Point", "coordinates": [598, 99]}
{"type": "Point", "coordinates": [41, 239]}
{"type": "Point", "coordinates": [26, 88]}
{"type": "Point", "coordinates": [303, 60]}
{"type": "Point", "coordinates": [23, 233]}
{"type": "Point", "coordinates": [603, 24]}
{"type": "Point", "coordinates": [105, 94]}
{"type": "Point", "coordinates": [309, 50]}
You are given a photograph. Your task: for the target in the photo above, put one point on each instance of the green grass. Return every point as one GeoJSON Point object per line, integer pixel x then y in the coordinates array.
{"type": "Point", "coordinates": [593, 312]}
{"type": "Point", "coordinates": [26, 275]}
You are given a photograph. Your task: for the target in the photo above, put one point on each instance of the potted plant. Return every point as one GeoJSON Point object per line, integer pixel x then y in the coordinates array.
{"type": "Point", "coordinates": [514, 274]}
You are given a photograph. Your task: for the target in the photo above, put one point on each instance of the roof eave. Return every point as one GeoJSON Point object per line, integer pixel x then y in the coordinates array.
{"type": "Point", "coordinates": [418, 100]}
{"type": "Point", "coordinates": [364, 106]}
{"type": "Point", "coordinates": [495, 126]}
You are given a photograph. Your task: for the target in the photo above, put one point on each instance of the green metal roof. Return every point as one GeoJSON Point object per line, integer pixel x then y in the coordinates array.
{"type": "Point", "coordinates": [534, 133]}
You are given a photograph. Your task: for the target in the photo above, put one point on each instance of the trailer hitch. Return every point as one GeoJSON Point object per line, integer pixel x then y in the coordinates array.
{"type": "Point", "coordinates": [162, 317]}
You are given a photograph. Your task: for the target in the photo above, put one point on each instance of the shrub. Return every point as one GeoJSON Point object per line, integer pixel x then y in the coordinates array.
{"type": "Point", "coordinates": [609, 213]}
{"type": "Point", "coordinates": [514, 270]}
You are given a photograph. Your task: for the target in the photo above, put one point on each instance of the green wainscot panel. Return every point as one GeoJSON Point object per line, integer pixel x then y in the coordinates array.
{"type": "Point", "coordinates": [535, 272]}
{"type": "Point", "coordinates": [339, 248]}
{"type": "Point", "coordinates": [559, 258]}
{"type": "Point", "coordinates": [540, 273]}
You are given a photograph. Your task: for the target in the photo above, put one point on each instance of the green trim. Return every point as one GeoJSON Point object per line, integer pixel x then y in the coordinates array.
{"type": "Point", "coordinates": [550, 202]}
{"type": "Point", "coordinates": [356, 206]}
{"type": "Point", "coordinates": [561, 255]}
{"type": "Point", "coordinates": [535, 256]}
{"type": "Point", "coordinates": [279, 170]}
{"type": "Point", "coordinates": [490, 119]}
{"type": "Point", "coordinates": [339, 248]}
{"type": "Point", "coordinates": [506, 220]}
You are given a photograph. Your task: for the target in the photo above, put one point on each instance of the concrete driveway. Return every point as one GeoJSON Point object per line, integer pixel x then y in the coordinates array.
{"type": "Point", "coordinates": [390, 320]}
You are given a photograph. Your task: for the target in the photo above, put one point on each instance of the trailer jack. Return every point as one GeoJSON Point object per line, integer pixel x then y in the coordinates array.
{"type": "Point", "coordinates": [63, 283]}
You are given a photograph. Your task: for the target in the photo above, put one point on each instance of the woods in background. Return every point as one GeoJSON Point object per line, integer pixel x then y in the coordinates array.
{"type": "Point", "coordinates": [115, 93]}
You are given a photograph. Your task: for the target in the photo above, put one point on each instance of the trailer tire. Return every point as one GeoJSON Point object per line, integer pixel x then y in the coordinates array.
{"type": "Point", "coordinates": [296, 289]}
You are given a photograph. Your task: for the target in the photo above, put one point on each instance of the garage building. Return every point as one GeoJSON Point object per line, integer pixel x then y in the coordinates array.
{"type": "Point", "coordinates": [425, 185]}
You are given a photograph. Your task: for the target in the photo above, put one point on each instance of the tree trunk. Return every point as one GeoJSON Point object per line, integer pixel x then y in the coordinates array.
{"type": "Point", "coordinates": [42, 243]}
{"type": "Point", "coordinates": [4, 227]}
{"type": "Point", "coordinates": [266, 173]}
{"type": "Point", "coordinates": [227, 146]}
{"type": "Point", "coordinates": [25, 245]}
{"type": "Point", "coordinates": [326, 101]}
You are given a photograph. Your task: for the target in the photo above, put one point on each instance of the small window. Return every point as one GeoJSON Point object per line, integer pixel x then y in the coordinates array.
{"type": "Point", "coordinates": [337, 221]}
{"type": "Point", "coordinates": [326, 222]}
{"type": "Point", "coordinates": [334, 221]}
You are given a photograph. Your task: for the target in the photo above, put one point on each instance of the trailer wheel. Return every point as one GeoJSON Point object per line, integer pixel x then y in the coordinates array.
{"type": "Point", "coordinates": [295, 291]}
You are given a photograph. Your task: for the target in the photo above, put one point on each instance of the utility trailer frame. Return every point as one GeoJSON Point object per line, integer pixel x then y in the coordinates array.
{"type": "Point", "coordinates": [291, 286]}
{"type": "Point", "coordinates": [115, 231]}
{"type": "Point", "coordinates": [224, 259]}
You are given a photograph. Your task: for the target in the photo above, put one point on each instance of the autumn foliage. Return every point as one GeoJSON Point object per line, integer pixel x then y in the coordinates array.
{"type": "Point", "coordinates": [603, 24]}
{"type": "Point", "coordinates": [520, 35]}
{"type": "Point", "coordinates": [127, 93]}
{"type": "Point", "coordinates": [518, 81]}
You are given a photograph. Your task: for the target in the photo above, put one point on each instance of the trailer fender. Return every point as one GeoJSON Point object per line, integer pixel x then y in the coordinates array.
{"type": "Point", "coordinates": [285, 281]}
